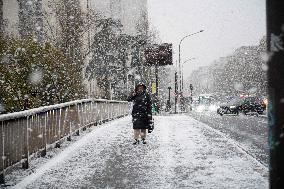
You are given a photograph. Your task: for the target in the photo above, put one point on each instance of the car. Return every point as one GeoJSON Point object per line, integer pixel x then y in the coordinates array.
{"type": "Point", "coordinates": [245, 105]}
{"type": "Point", "coordinates": [231, 107]}
{"type": "Point", "coordinates": [252, 104]}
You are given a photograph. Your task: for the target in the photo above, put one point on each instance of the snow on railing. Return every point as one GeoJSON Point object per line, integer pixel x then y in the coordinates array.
{"type": "Point", "coordinates": [32, 131]}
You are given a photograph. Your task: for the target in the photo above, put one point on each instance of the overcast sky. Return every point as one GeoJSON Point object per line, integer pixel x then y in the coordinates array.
{"type": "Point", "coordinates": [227, 25]}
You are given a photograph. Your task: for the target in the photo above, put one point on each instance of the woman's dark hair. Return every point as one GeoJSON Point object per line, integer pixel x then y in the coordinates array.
{"type": "Point", "coordinates": [140, 84]}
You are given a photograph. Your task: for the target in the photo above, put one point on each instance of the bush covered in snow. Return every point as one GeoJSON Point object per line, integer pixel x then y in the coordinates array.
{"type": "Point", "coordinates": [34, 74]}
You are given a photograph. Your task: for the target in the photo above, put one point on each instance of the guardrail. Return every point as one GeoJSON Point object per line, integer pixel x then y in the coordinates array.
{"type": "Point", "coordinates": [33, 131]}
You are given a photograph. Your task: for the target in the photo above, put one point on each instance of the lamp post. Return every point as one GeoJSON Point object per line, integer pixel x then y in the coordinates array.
{"type": "Point", "coordinates": [179, 53]}
{"type": "Point", "coordinates": [182, 70]}
{"type": "Point", "coordinates": [191, 96]}
{"type": "Point", "coordinates": [176, 91]}
{"type": "Point", "coordinates": [176, 77]}
{"type": "Point", "coordinates": [169, 100]}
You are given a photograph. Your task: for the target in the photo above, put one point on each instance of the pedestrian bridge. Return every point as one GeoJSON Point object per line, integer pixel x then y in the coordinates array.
{"type": "Point", "coordinates": [180, 153]}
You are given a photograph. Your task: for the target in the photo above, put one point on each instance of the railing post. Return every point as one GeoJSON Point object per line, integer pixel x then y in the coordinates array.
{"type": "Point", "coordinates": [77, 132]}
{"type": "Point", "coordinates": [2, 174]}
{"type": "Point", "coordinates": [85, 117]}
{"type": "Point", "coordinates": [94, 119]}
{"type": "Point", "coordinates": [70, 132]}
{"type": "Point", "coordinates": [94, 113]}
{"type": "Point", "coordinates": [112, 110]}
{"type": "Point", "coordinates": [108, 110]}
{"type": "Point", "coordinates": [25, 156]}
{"type": "Point", "coordinates": [43, 153]}
{"type": "Point", "coordinates": [58, 133]}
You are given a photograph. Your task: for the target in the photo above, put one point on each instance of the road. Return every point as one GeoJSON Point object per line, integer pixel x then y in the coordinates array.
{"type": "Point", "coordinates": [250, 132]}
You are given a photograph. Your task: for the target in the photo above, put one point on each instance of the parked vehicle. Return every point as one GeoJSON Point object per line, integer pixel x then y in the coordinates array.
{"type": "Point", "coordinates": [246, 105]}
{"type": "Point", "coordinates": [252, 104]}
{"type": "Point", "coordinates": [231, 107]}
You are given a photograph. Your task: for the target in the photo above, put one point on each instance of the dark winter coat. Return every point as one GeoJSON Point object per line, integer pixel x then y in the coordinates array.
{"type": "Point", "coordinates": [142, 110]}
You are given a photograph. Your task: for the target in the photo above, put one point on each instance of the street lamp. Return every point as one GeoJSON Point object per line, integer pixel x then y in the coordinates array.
{"type": "Point", "coordinates": [180, 65]}
{"type": "Point", "coordinates": [180, 54]}
{"type": "Point", "coordinates": [169, 100]}
{"type": "Point", "coordinates": [191, 96]}
{"type": "Point", "coordinates": [182, 70]}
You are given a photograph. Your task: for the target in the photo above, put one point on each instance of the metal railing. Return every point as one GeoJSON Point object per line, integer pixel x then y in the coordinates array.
{"type": "Point", "coordinates": [32, 131]}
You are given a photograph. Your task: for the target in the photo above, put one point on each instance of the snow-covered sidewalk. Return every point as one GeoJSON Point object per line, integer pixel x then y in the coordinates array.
{"type": "Point", "coordinates": [180, 153]}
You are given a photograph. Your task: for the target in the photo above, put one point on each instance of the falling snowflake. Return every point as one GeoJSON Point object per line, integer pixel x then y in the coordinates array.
{"type": "Point", "coordinates": [2, 107]}
{"type": "Point", "coordinates": [36, 76]}
{"type": "Point", "coordinates": [5, 59]}
{"type": "Point", "coordinates": [29, 3]}
{"type": "Point", "coordinates": [264, 67]}
{"type": "Point", "coordinates": [265, 57]}
{"type": "Point", "coordinates": [40, 136]}
{"type": "Point", "coordinates": [137, 77]}
{"type": "Point", "coordinates": [276, 43]}
{"type": "Point", "coordinates": [252, 90]}
{"type": "Point", "coordinates": [118, 152]}
{"type": "Point", "coordinates": [238, 86]}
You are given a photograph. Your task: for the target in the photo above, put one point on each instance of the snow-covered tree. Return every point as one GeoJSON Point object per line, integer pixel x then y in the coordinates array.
{"type": "Point", "coordinates": [242, 72]}
{"type": "Point", "coordinates": [34, 74]}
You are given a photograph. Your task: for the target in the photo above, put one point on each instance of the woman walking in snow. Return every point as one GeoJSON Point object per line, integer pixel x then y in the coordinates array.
{"type": "Point", "coordinates": [141, 112]}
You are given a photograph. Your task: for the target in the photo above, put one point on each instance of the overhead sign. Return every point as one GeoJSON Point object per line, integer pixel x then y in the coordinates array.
{"type": "Point", "coordinates": [160, 55]}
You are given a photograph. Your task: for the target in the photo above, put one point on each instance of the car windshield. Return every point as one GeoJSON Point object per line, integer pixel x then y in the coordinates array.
{"type": "Point", "coordinates": [206, 100]}
{"type": "Point", "coordinates": [252, 100]}
{"type": "Point", "coordinates": [235, 101]}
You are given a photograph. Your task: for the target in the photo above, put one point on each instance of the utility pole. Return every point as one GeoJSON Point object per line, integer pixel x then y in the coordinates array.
{"type": "Point", "coordinates": [157, 88]}
{"type": "Point", "coordinates": [169, 100]}
{"type": "Point", "coordinates": [179, 65]}
{"type": "Point", "coordinates": [179, 54]}
{"type": "Point", "coordinates": [275, 46]}
{"type": "Point", "coordinates": [176, 91]}
{"type": "Point", "coordinates": [191, 95]}
{"type": "Point", "coordinates": [182, 71]}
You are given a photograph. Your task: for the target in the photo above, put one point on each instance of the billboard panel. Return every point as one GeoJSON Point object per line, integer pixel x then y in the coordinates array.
{"type": "Point", "coordinates": [160, 55]}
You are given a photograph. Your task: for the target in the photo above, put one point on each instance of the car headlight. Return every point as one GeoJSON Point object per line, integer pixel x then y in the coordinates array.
{"type": "Point", "coordinates": [213, 107]}
{"type": "Point", "coordinates": [265, 101]}
{"type": "Point", "coordinates": [200, 108]}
